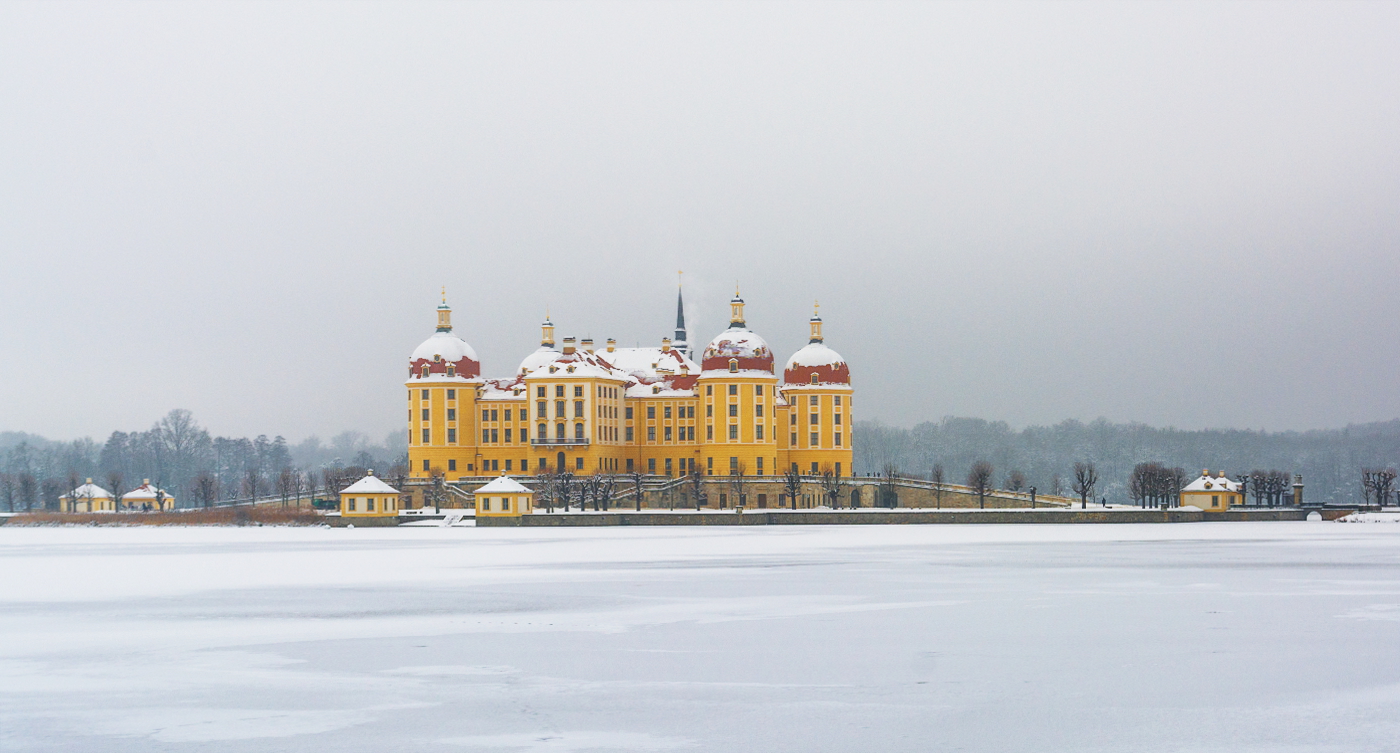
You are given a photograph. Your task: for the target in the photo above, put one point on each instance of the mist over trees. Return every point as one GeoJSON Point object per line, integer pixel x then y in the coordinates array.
{"type": "Point", "coordinates": [180, 456]}
{"type": "Point", "coordinates": [1331, 461]}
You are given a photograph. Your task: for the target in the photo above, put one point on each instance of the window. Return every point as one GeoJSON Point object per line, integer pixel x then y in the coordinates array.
{"type": "Point", "coordinates": [709, 411]}
{"type": "Point", "coordinates": [690, 433]}
{"type": "Point", "coordinates": [629, 434]}
{"type": "Point", "coordinates": [426, 438]}
{"type": "Point", "coordinates": [542, 432]}
{"type": "Point", "coordinates": [522, 416]}
{"type": "Point", "coordinates": [485, 436]}
{"type": "Point", "coordinates": [837, 419]}
{"type": "Point", "coordinates": [558, 390]}
{"type": "Point", "coordinates": [668, 466]}
{"type": "Point", "coordinates": [578, 431]}
{"type": "Point", "coordinates": [578, 390]}
{"type": "Point", "coordinates": [424, 374]}
{"type": "Point", "coordinates": [838, 439]}
{"type": "Point", "coordinates": [651, 433]}
{"type": "Point", "coordinates": [813, 442]}
{"type": "Point", "coordinates": [452, 394]}
{"type": "Point", "coordinates": [733, 389]}
{"type": "Point", "coordinates": [690, 412]}
{"type": "Point", "coordinates": [651, 411]}
{"type": "Point", "coordinates": [451, 414]}
{"type": "Point", "coordinates": [666, 412]}
{"type": "Point", "coordinates": [814, 468]}
{"type": "Point", "coordinates": [836, 400]}
{"type": "Point", "coordinates": [495, 435]}
{"type": "Point", "coordinates": [709, 433]}
{"type": "Point", "coordinates": [651, 465]}
{"type": "Point", "coordinates": [425, 464]}
{"type": "Point", "coordinates": [485, 415]}
{"type": "Point", "coordinates": [507, 436]}
{"type": "Point", "coordinates": [350, 506]}
{"type": "Point", "coordinates": [710, 466]}
{"type": "Point", "coordinates": [733, 465]}
{"type": "Point", "coordinates": [539, 391]}
{"type": "Point", "coordinates": [709, 389]}
{"type": "Point", "coordinates": [733, 409]}
{"type": "Point", "coordinates": [758, 431]}
{"type": "Point", "coordinates": [628, 413]}
{"type": "Point", "coordinates": [558, 431]}
{"type": "Point", "coordinates": [792, 441]}
{"type": "Point", "coordinates": [760, 466]}
{"type": "Point", "coordinates": [542, 409]}
{"type": "Point", "coordinates": [495, 414]}
{"type": "Point", "coordinates": [733, 366]}
{"type": "Point", "coordinates": [758, 410]}
{"type": "Point", "coordinates": [425, 414]}
{"type": "Point", "coordinates": [452, 436]}
{"type": "Point", "coordinates": [369, 504]}
{"type": "Point", "coordinates": [451, 370]}
{"type": "Point", "coordinates": [629, 465]}
{"type": "Point", "coordinates": [838, 466]}
{"type": "Point", "coordinates": [425, 394]}
{"type": "Point", "coordinates": [814, 378]}
{"type": "Point", "coordinates": [486, 503]}
{"type": "Point", "coordinates": [812, 418]}
{"type": "Point", "coordinates": [792, 419]}
{"type": "Point", "coordinates": [559, 409]}
{"type": "Point", "coordinates": [578, 409]}
{"type": "Point", "coordinates": [452, 465]}
{"type": "Point", "coordinates": [578, 463]}
{"type": "Point", "coordinates": [667, 433]}
{"type": "Point", "coordinates": [733, 431]}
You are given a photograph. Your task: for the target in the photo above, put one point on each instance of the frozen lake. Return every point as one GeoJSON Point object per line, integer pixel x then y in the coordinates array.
{"type": "Point", "coordinates": [1188, 637]}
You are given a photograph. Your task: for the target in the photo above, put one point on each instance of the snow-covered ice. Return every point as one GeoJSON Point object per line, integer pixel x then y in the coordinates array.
{"type": "Point", "coordinates": [1188, 637]}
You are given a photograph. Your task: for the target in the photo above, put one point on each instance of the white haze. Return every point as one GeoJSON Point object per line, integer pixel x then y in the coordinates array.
{"type": "Point", "coordinates": [1171, 213]}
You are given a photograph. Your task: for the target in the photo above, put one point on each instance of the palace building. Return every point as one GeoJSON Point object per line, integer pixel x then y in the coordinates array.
{"type": "Point", "coordinates": [585, 409]}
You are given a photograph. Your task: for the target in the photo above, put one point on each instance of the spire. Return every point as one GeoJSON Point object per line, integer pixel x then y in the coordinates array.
{"type": "Point", "coordinates": [444, 314]}
{"type": "Point", "coordinates": [816, 322]}
{"type": "Point", "coordinates": [547, 332]}
{"type": "Point", "coordinates": [681, 341]}
{"type": "Point", "coordinates": [736, 310]}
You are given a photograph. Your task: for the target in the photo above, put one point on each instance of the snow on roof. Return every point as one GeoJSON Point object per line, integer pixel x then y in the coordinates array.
{"type": "Point", "coordinates": [510, 388]}
{"type": "Point", "coordinates": [503, 485]}
{"type": "Point", "coordinates": [538, 359]}
{"type": "Point", "coordinates": [651, 363]}
{"type": "Point", "coordinates": [816, 365]}
{"type": "Point", "coordinates": [1209, 483]}
{"type": "Point", "coordinates": [815, 354]}
{"type": "Point", "coordinates": [676, 386]}
{"type": "Point", "coordinates": [370, 484]}
{"type": "Point", "coordinates": [739, 343]}
{"type": "Point", "coordinates": [445, 344]}
{"type": "Point", "coordinates": [89, 491]}
{"type": "Point", "coordinates": [145, 491]}
{"type": "Point", "coordinates": [579, 363]}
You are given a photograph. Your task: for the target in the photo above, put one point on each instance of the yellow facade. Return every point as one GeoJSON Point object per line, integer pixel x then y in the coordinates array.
{"type": "Point", "coordinates": [1212, 493]}
{"type": "Point", "coordinates": [610, 410]}
{"type": "Point", "coordinates": [504, 498]}
{"type": "Point", "coordinates": [87, 498]}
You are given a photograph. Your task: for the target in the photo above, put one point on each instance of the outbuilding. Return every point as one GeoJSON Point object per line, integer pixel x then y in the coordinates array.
{"type": "Point", "coordinates": [1212, 493]}
{"type": "Point", "coordinates": [504, 497]}
{"type": "Point", "coordinates": [369, 496]}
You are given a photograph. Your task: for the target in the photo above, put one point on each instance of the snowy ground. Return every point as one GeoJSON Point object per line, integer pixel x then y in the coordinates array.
{"type": "Point", "coordinates": [1188, 637]}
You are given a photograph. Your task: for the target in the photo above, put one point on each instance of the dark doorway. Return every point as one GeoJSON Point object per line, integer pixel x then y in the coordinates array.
{"type": "Point", "coordinates": [562, 465]}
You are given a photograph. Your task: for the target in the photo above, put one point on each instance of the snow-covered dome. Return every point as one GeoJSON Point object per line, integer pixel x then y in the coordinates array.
{"type": "Point", "coordinates": [741, 345]}
{"type": "Point", "coordinates": [816, 364]}
{"type": "Point", "coordinates": [444, 355]}
{"type": "Point", "coordinates": [537, 360]}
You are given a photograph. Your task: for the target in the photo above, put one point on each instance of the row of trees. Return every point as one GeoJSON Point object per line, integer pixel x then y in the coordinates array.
{"type": "Point", "coordinates": [181, 457]}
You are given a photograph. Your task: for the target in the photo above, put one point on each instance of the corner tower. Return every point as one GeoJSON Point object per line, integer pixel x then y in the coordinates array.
{"type": "Point", "coordinates": [817, 389]}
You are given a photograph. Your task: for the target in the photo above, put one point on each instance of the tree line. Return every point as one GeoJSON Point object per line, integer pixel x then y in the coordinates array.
{"type": "Point", "coordinates": [181, 457]}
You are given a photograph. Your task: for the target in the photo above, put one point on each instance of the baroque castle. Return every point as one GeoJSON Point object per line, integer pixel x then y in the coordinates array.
{"type": "Point", "coordinates": [589, 410]}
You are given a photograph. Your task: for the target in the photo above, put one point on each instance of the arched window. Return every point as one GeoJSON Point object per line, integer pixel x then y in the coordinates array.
{"type": "Point", "coordinates": [543, 432]}
{"type": "Point", "coordinates": [452, 371]}
{"type": "Point", "coordinates": [559, 431]}
{"type": "Point", "coordinates": [578, 431]}
{"type": "Point", "coordinates": [733, 365]}
{"type": "Point", "coordinates": [425, 371]}
{"type": "Point", "coordinates": [814, 377]}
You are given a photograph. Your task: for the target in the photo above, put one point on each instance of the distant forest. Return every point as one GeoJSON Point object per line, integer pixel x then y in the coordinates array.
{"type": "Point", "coordinates": [1330, 460]}
{"type": "Point", "coordinates": [180, 456]}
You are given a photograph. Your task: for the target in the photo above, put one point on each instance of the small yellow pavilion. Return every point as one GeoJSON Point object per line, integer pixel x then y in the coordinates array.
{"type": "Point", "coordinates": [369, 496]}
{"type": "Point", "coordinates": [504, 497]}
{"type": "Point", "coordinates": [87, 498]}
{"type": "Point", "coordinates": [147, 497]}
{"type": "Point", "coordinates": [1212, 493]}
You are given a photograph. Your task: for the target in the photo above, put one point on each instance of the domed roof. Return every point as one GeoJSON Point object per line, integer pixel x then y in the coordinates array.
{"type": "Point", "coordinates": [740, 344]}
{"type": "Point", "coordinates": [816, 359]}
{"type": "Point", "coordinates": [440, 350]}
{"type": "Point", "coordinates": [538, 359]}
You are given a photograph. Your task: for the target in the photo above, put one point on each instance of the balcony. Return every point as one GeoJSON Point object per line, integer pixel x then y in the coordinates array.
{"type": "Point", "coordinates": [558, 442]}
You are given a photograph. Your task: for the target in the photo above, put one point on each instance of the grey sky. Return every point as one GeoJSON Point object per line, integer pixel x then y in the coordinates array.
{"type": "Point", "coordinates": [1175, 213]}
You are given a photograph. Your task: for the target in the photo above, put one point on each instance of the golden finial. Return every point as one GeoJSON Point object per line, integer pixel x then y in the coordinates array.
{"type": "Point", "coordinates": [679, 277]}
{"type": "Point", "coordinates": [736, 288]}
{"type": "Point", "coordinates": [816, 308]}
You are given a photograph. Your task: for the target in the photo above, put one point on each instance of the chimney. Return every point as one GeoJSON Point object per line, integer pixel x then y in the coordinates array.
{"type": "Point", "coordinates": [612, 344]}
{"type": "Point", "coordinates": [665, 345]}
{"type": "Point", "coordinates": [568, 346]}
{"type": "Point", "coordinates": [1298, 490]}
{"type": "Point", "coordinates": [587, 344]}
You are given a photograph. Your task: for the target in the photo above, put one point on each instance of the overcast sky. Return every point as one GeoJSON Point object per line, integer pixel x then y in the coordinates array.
{"type": "Point", "coordinates": [1178, 214]}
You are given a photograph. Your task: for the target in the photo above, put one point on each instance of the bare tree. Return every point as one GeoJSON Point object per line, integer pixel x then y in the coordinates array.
{"type": "Point", "coordinates": [889, 496]}
{"type": "Point", "coordinates": [28, 490]}
{"type": "Point", "coordinates": [1057, 485]}
{"type": "Point", "coordinates": [1015, 481]}
{"type": "Point", "coordinates": [697, 487]}
{"type": "Point", "coordinates": [252, 484]}
{"type": "Point", "coordinates": [636, 478]}
{"type": "Point", "coordinates": [936, 476]}
{"type": "Point", "coordinates": [1086, 477]}
{"type": "Point", "coordinates": [206, 489]}
{"type": "Point", "coordinates": [979, 478]}
{"type": "Point", "coordinates": [114, 486]}
{"type": "Point", "coordinates": [792, 485]}
{"type": "Point", "coordinates": [8, 490]}
{"type": "Point", "coordinates": [739, 482]}
{"type": "Point", "coordinates": [287, 484]}
{"type": "Point", "coordinates": [1376, 485]}
{"type": "Point", "coordinates": [607, 487]}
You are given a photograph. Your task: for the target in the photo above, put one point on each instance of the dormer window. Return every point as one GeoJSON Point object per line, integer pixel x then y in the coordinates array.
{"type": "Point", "coordinates": [553, 369]}
{"type": "Point", "coordinates": [570, 369]}
{"type": "Point", "coordinates": [425, 371]}
{"type": "Point", "coordinates": [437, 358]}
{"type": "Point", "coordinates": [814, 378]}
{"type": "Point", "coordinates": [452, 371]}
{"type": "Point", "coordinates": [733, 365]}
